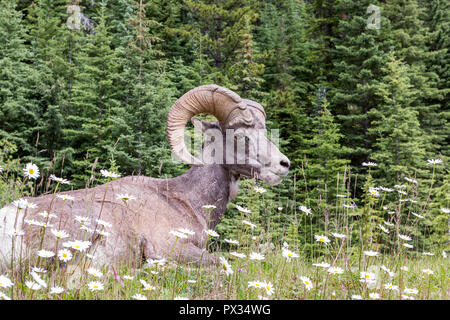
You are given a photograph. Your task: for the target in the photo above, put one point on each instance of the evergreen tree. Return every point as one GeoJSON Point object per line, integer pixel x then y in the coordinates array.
{"type": "Point", "coordinates": [400, 140]}
{"type": "Point", "coordinates": [19, 112]}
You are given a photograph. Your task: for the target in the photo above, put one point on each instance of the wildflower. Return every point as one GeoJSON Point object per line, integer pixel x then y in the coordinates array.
{"type": "Point", "coordinates": [1, 169]}
{"type": "Point", "coordinates": [82, 220]}
{"type": "Point", "coordinates": [209, 207]}
{"type": "Point", "coordinates": [390, 286]}
{"type": "Point", "coordinates": [95, 286]}
{"type": "Point", "coordinates": [260, 190]}
{"type": "Point", "coordinates": [64, 255]}
{"type": "Point", "coordinates": [388, 223]}
{"type": "Point", "coordinates": [65, 197]}
{"type": "Point", "coordinates": [369, 164]}
{"type": "Point", "coordinates": [288, 254]}
{"type": "Point", "coordinates": [367, 276]}
{"type": "Point", "coordinates": [109, 174]}
{"type": "Point", "coordinates": [385, 189]}
{"type": "Point", "coordinates": [79, 245]}
{"type": "Point", "coordinates": [125, 197]}
{"type": "Point", "coordinates": [24, 204]}
{"type": "Point", "coordinates": [192, 281]}
{"type": "Point", "coordinates": [38, 279]}
{"type": "Point", "coordinates": [60, 180]}
{"type": "Point", "coordinates": [56, 290]}
{"type": "Point", "coordinates": [335, 270]}
{"type": "Point", "coordinates": [146, 285]}
{"type": "Point", "coordinates": [306, 210]}
{"type": "Point", "coordinates": [404, 237]}
{"type": "Point", "coordinates": [445, 210]}
{"type": "Point", "coordinates": [178, 234]}
{"type": "Point", "coordinates": [231, 241]}
{"type": "Point", "coordinates": [322, 265]}
{"type": "Point", "coordinates": [242, 209]}
{"type": "Point", "coordinates": [417, 215]}
{"type": "Point", "coordinates": [322, 239]}
{"type": "Point", "coordinates": [17, 233]}
{"type": "Point", "coordinates": [356, 297]}
{"type": "Point", "coordinates": [4, 296]}
{"type": "Point", "coordinates": [428, 254]}
{"type": "Point", "coordinates": [45, 253]}
{"type": "Point", "coordinates": [255, 284]}
{"type": "Point", "coordinates": [104, 223]}
{"type": "Point", "coordinates": [307, 282]}
{"type": "Point", "coordinates": [407, 245]}
{"type": "Point", "coordinates": [31, 171]}
{"type": "Point", "coordinates": [269, 288]}
{"type": "Point", "coordinates": [186, 231]}
{"type": "Point", "coordinates": [139, 296]}
{"type": "Point", "coordinates": [411, 180]}
{"type": "Point", "coordinates": [280, 208]}
{"type": "Point", "coordinates": [32, 285]}
{"type": "Point", "coordinates": [371, 253]}
{"type": "Point", "coordinates": [374, 295]}
{"type": "Point", "coordinates": [226, 266]}
{"type": "Point", "coordinates": [251, 225]}
{"type": "Point", "coordinates": [427, 271]}
{"type": "Point", "coordinates": [374, 192]}
{"type": "Point", "coordinates": [103, 233]}
{"type": "Point", "coordinates": [411, 291]}
{"type": "Point", "coordinates": [127, 277]}
{"type": "Point", "coordinates": [256, 256]}
{"type": "Point", "coordinates": [434, 161]}
{"type": "Point", "coordinates": [95, 272]}
{"type": "Point", "coordinates": [211, 233]}
{"type": "Point", "coordinates": [38, 270]}
{"type": "Point", "coordinates": [180, 298]}
{"type": "Point", "coordinates": [404, 268]}
{"type": "Point", "coordinates": [45, 214]}
{"type": "Point", "coordinates": [59, 234]}
{"type": "Point", "coordinates": [350, 206]}
{"type": "Point", "coordinates": [339, 235]}
{"type": "Point", "coordinates": [238, 255]}
{"type": "Point", "coordinates": [156, 262]}
{"type": "Point", "coordinates": [86, 228]}
{"type": "Point", "coordinates": [5, 282]}
{"type": "Point", "coordinates": [444, 254]}
{"type": "Point", "coordinates": [383, 228]}
{"type": "Point", "coordinates": [341, 196]}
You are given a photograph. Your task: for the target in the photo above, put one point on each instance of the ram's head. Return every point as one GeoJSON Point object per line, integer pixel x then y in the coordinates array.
{"type": "Point", "coordinates": [237, 140]}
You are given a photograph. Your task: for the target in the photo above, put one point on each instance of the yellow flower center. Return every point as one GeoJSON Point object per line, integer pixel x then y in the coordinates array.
{"type": "Point", "coordinates": [306, 282]}
{"type": "Point", "coordinates": [31, 171]}
{"type": "Point", "coordinates": [321, 239]}
{"type": "Point", "coordinates": [367, 276]}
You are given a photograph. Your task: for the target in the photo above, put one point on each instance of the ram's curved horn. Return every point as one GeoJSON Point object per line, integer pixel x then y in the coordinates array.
{"type": "Point", "coordinates": [210, 99]}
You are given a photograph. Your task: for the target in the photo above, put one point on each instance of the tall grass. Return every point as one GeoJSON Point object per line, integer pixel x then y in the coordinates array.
{"type": "Point", "coordinates": [366, 252]}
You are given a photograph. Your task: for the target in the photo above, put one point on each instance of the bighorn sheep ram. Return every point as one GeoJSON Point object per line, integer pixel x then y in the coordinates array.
{"type": "Point", "coordinates": [141, 227]}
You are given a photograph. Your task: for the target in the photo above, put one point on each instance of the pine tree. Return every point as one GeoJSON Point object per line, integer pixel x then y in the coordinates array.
{"type": "Point", "coordinates": [400, 140]}
{"type": "Point", "coordinates": [19, 112]}
{"type": "Point", "coordinates": [90, 130]}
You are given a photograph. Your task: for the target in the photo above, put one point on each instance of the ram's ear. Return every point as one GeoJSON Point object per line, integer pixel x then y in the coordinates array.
{"type": "Point", "coordinates": [204, 126]}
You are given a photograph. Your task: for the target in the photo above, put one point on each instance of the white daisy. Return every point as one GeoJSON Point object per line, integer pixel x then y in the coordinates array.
{"type": "Point", "coordinates": [307, 282]}
{"type": "Point", "coordinates": [95, 286]}
{"type": "Point", "coordinates": [64, 255]}
{"type": "Point", "coordinates": [5, 282]}
{"type": "Point", "coordinates": [242, 209]}
{"type": "Point", "coordinates": [256, 256]}
{"type": "Point", "coordinates": [60, 180]}
{"type": "Point", "coordinates": [109, 174]}
{"type": "Point", "coordinates": [230, 241]}
{"type": "Point", "coordinates": [211, 233]}
{"type": "Point", "coordinates": [238, 255]}
{"type": "Point", "coordinates": [45, 253]}
{"type": "Point", "coordinates": [125, 197]}
{"type": "Point", "coordinates": [306, 210]}
{"type": "Point", "coordinates": [31, 171]}
{"type": "Point", "coordinates": [323, 239]}
{"type": "Point", "coordinates": [65, 197]}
